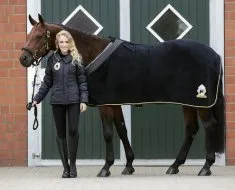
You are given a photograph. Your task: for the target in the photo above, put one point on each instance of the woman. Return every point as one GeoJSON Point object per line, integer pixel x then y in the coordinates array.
{"type": "Point", "coordinates": [65, 76]}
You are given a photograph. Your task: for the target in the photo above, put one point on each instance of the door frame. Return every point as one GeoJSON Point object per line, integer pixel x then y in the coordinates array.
{"type": "Point", "coordinates": [34, 136]}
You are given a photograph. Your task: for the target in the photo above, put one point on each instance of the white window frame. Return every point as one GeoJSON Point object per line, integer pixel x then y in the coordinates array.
{"type": "Point", "coordinates": [169, 7]}
{"type": "Point", "coordinates": [81, 8]}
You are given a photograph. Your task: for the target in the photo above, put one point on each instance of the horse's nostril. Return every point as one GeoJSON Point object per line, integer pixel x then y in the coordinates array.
{"type": "Point", "coordinates": [22, 58]}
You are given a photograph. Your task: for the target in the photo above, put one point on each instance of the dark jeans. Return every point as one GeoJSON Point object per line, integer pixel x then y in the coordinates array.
{"type": "Point", "coordinates": [59, 112]}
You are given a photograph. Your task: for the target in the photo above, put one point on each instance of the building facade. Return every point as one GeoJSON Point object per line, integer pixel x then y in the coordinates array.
{"type": "Point", "coordinates": [135, 21]}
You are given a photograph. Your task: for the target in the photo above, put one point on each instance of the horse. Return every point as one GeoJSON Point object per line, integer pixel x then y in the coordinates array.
{"type": "Point", "coordinates": [41, 40]}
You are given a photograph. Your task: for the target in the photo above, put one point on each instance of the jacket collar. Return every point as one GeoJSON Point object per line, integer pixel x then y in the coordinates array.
{"type": "Point", "coordinates": [66, 59]}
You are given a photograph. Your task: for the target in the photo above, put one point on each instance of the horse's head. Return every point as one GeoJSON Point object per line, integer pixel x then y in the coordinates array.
{"type": "Point", "coordinates": [38, 43]}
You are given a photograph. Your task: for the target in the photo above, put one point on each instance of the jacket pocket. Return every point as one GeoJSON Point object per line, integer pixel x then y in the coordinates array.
{"type": "Point", "coordinates": [73, 94]}
{"type": "Point", "coordinates": [56, 95]}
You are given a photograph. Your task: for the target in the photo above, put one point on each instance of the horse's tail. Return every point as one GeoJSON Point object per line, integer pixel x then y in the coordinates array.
{"type": "Point", "coordinates": [219, 113]}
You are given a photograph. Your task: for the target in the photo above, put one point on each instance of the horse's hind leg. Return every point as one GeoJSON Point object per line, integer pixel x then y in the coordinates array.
{"type": "Point", "coordinates": [191, 128]}
{"type": "Point", "coordinates": [122, 132]}
{"type": "Point", "coordinates": [210, 124]}
{"type": "Point", "coordinates": [106, 113]}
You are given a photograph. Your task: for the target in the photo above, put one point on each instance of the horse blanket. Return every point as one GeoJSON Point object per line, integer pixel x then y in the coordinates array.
{"type": "Point", "coordinates": [179, 71]}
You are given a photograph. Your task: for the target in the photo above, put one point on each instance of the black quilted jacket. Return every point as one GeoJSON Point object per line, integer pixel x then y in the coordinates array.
{"type": "Point", "coordinates": [67, 81]}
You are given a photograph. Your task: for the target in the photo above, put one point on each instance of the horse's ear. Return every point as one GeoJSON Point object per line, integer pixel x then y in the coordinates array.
{"type": "Point", "coordinates": [32, 21]}
{"type": "Point", "coordinates": [40, 19]}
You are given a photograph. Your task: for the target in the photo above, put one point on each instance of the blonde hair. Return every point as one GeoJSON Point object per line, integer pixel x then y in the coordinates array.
{"type": "Point", "coordinates": [77, 58]}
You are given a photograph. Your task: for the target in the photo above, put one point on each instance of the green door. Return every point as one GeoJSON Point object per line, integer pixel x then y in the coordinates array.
{"type": "Point", "coordinates": [91, 142]}
{"type": "Point", "coordinates": [158, 130]}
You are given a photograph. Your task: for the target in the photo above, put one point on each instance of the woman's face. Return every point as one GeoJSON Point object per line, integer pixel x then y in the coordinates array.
{"type": "Point", "coordinates": [63, 44]}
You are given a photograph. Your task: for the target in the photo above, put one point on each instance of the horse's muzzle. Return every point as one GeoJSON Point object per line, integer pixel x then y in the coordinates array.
{"type": "Point", "coordinates": [26, 60]}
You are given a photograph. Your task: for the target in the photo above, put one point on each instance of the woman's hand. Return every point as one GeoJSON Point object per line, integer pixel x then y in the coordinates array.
{"type": "Point", "coordinates": [34, 103]}
{"type": "Point", "coordinates": [83, 107]}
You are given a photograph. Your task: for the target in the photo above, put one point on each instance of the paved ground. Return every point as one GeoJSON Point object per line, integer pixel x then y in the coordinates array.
{"type": "Point", "coordinates": [150, 178]}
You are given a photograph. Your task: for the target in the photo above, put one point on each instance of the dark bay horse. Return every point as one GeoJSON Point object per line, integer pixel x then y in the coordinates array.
{"type": "Point", "coordinates": [41, 40]}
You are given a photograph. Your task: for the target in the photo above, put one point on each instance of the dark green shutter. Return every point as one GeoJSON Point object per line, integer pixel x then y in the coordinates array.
{"type": "Point", "coordinates": [91, 142]}
{"type": "Point", "coordinates": [158, 130]}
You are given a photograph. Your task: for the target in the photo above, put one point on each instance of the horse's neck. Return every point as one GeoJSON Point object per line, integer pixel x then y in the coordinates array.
{"type": "Point", "coordinates": [54, 29]}
{"type": "Point", "coordinates": [88, 45]}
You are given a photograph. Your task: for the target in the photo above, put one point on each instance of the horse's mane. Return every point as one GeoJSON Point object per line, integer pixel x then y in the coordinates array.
{"type": "Point", "coordinates": [83, 34]}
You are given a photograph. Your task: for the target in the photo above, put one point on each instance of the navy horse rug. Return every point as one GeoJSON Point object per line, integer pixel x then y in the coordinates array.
{"type": "Point", "coordinates": [179, 71]}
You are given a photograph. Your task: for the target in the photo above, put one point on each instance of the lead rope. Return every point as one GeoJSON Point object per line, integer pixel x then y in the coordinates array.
{"type": "Point", "coordinates": [29, 105]}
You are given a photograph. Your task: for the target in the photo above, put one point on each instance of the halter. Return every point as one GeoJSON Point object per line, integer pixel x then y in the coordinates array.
{"type": "Point", "coordinates": [35, 55]}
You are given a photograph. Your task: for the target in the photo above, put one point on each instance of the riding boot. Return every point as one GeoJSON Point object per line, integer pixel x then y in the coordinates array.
{"type": "Point", "coordinates": [73, 146]}
{"type": "Point", "coordinates": [63, 150]}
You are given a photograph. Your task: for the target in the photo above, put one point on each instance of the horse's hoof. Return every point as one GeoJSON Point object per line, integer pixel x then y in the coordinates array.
{"type": "Point", "coordinates": [128, 170]}
{"type": "Point", "coordinates": [204, 172]}
{"type": "Point", "coordinates": [104, 173]}
{"type": "Point", "coordinates": [172, 170]}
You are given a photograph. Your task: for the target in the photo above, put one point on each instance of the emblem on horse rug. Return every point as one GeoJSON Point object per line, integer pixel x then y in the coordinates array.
{"type": "Point", "coordinates": [201, 91]}
{"type": "Point", "coordinates": [57, 66]}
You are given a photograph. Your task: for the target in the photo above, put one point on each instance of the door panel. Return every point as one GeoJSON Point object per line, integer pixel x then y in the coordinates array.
{"type": "Point", "coordinates": [91, 142]}
{"type": "Point", "coordinates": [158, 130]}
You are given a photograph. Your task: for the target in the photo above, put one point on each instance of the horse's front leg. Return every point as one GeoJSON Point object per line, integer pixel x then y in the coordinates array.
{"type": "Point", "coordinates": [106, 113]}
{"type": "Point", "coordinates": [122, 132]}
